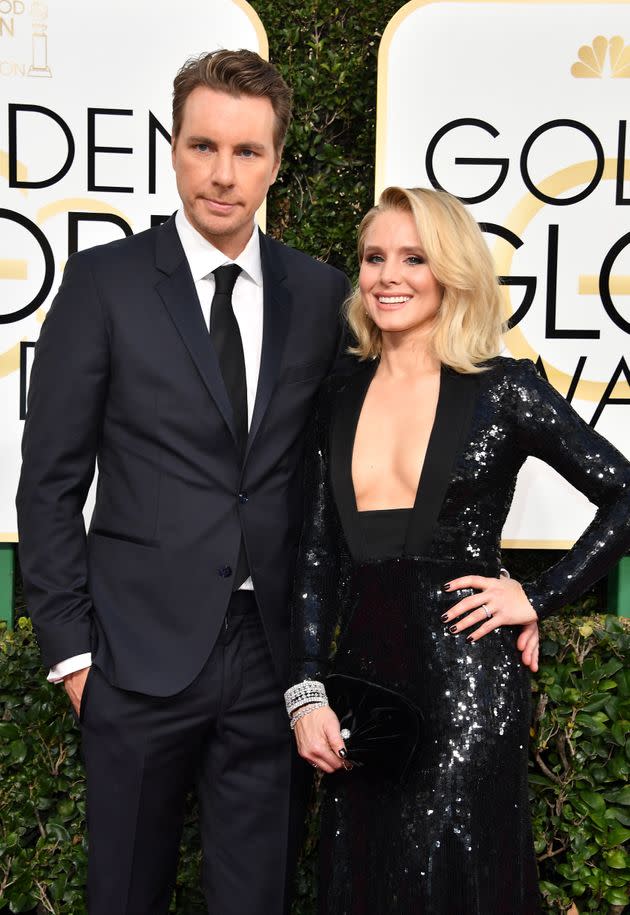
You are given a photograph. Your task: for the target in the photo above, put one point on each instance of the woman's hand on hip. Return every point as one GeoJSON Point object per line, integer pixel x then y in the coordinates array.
{"type": "Point", "coordinates": [319, 740]}
{"type": "Point", "coordinates": [497, 602]}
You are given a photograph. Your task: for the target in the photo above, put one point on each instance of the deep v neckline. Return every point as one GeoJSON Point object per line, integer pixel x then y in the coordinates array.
{"type": "Point", "coordinates": [451, 422]}
{"type": "Point", "coordinates": [360, 406]}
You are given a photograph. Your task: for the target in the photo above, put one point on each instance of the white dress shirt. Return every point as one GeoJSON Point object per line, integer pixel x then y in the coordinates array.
{"type": "Point", "coordinates": [247, 302]}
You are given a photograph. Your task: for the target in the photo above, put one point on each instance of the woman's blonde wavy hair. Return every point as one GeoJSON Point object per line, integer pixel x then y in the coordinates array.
{"type": "Point", "coordinates": [468, 328]}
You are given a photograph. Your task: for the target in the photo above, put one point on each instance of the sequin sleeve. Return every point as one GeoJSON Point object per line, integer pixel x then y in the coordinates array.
{"type": "Point", "coordinates": [315, 603]}
{"type": "Point", "coordinates": [550, 429]}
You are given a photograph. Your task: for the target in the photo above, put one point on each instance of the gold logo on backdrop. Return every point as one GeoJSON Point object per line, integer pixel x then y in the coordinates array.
{"type": "Point", "coordinates": [24, 38]}
{"type": "Point", "coordinates": [591, 63]}
{"type": "Point", "coordinates": [39, 40]}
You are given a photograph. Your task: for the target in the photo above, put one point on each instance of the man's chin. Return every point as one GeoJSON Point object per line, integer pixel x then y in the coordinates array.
{"type": "Point", "coordinates": [220, 227]}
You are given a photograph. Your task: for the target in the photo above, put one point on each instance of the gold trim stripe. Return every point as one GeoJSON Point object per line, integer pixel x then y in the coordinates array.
{"type": "Point", "coordinates": [589, 285]}
{"type": "Point", "coordinates": [13, 269]}
{"type": "Point", "coordinates": [22, 171]}
{"type": "Point", "coordinates": [10, 361]}
{"type": "Point", "coordinates": [254, 18]}
{"type": "Point", "coordinates": [537, 544]}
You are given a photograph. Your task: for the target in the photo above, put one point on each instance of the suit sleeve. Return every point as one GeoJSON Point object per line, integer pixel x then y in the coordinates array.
{"type": "Point", "coordinates": [66, 399]}
{"type": "Point", "coordinates": [549, 428]}
{"type": "Point", "coordinates": [315, 603]}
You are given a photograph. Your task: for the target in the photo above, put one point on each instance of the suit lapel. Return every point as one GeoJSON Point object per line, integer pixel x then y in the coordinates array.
{"type": "Point", "coordinates": [177, 291]}
{"type": "Point", "coordinates": [345, 416]}
{"type": "Point", "coordinates": [276, 320]}
{"type": "Point", "coordinates": [453, 416]}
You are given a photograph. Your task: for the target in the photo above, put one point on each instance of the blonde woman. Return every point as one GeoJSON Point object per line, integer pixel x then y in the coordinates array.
{"type": "Point", "coordinates": [411, 464]}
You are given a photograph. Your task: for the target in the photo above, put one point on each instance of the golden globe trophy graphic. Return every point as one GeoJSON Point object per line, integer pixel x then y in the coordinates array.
{"type": "Point", "coordinates": [39, 65]}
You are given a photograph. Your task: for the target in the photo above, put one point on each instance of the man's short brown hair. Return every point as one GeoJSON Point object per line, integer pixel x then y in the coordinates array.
{"type": "Point", "coordinates": [236, 73]}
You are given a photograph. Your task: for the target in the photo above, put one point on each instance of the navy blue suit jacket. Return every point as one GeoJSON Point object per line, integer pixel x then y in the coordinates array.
{"type": "Point", "coordinates": [125, 376]}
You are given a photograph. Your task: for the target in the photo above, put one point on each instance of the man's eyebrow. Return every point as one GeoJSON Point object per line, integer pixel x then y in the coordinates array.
{"type": "Point", "coordinates": [244, 144]}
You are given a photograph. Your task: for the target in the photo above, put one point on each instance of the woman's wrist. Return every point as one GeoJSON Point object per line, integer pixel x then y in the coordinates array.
{"type": "Point", "coordinates": [306, 710]}
{"type": "Point", "coordinates": [308, 692]}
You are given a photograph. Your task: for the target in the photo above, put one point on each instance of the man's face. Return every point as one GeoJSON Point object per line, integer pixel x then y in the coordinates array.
{"type": "Point", "coordinates": [225, 161]}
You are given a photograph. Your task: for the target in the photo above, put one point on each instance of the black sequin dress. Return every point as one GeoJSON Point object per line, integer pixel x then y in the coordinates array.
{"type": "Point", "coordinates": [454, 837]}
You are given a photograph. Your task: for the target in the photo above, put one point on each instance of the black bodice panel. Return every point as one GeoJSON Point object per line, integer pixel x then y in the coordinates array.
{"type": "Point", "coordinates": [385, 531]}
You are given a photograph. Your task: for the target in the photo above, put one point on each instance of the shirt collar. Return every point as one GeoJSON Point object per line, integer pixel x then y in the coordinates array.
{"type": "Point", "coordinates": [203, 257]}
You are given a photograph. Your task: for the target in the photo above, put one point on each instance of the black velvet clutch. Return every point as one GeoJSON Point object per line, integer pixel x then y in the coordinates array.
{"type": "Point", "coordinates": [383, 727]}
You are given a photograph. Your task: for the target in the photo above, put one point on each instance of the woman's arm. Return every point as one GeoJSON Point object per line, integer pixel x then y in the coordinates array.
{"type": "Point", "coordinates": [547, 427]}
{"type": "Point", "coordinates": [550, 429]}
{"type": "Point", "coordinates": [315, 604]}
{"type": "Point", "coordinates": [314, 608]}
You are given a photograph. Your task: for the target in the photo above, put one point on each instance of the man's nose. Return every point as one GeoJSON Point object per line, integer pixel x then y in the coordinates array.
{"type": "Point", "coordinates": [223, 169]}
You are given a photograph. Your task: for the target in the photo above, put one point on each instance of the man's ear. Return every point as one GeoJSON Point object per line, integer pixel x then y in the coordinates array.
{"type": "Point", "coordinates": [276, 167]}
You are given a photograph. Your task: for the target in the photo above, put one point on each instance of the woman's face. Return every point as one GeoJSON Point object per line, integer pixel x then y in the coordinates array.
{"type": "Point", "coordinates": [398, 289]}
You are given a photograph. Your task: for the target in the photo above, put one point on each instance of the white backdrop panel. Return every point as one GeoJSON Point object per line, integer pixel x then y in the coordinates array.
{"type": "Point", "coordinates": [499, 81]}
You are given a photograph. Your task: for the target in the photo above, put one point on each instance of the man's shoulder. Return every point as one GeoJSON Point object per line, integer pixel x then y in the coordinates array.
{"type": "Point", "coordinates": [122, 250]}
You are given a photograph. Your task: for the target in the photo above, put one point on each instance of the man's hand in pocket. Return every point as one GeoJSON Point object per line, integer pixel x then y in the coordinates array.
{"type": "Point", "coordinates": [74, 684]}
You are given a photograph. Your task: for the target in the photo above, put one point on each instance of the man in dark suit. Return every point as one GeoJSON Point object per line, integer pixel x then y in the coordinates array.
{"type": "Point", "coordinates": [184, 360]}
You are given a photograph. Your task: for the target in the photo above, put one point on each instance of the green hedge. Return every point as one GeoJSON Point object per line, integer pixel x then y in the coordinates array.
{"type": "Point", "coordinates": [327, 52]}
{"type": "Point", "coordinates": [579, 757]}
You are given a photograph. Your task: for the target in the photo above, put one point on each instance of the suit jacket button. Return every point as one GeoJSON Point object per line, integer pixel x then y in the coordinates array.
{"type": "Point", "coordinates": [225, 571]}
{"type": "Point", "coordinates": [243, 497]}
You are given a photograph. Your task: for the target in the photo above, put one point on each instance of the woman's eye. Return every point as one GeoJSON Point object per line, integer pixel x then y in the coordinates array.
{"type": "Point", "coordinates": [415, 259]}
{"type": "Point", "coordinates": [374, 259]}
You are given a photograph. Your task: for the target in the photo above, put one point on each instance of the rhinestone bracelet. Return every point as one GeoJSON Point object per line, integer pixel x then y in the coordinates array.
{"type": "Point", "coordinates": [306, 710]}
{"type": "Point", "coordinates": [303, 694]}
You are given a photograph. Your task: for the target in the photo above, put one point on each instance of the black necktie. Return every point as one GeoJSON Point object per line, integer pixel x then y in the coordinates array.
{"type": "Point", "coordinates": [226, 339]}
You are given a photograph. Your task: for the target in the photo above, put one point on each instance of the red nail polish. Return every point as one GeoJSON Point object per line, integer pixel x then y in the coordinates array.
{"type": "Point", "coordinates": [452, 628]}
{"type": "Point", "coordinates": [447, 586]}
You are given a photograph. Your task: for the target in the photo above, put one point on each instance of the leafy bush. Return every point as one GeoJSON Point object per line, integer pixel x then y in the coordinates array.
{"type": "Point", "coordinates": [580, 765]}
{"type": "Point", "coordinates": [327, 52]}
{"type": "Point", "coordinates": [42, 806]}
{"type": "Point", "coordinates": [580, 760]}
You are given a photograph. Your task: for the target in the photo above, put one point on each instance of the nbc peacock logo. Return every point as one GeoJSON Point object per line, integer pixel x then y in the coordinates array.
{"type": "Point", "coordinates": [604, 57]}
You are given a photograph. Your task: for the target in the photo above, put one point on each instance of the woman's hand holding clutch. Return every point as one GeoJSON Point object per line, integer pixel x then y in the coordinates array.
{"type": "Point", "coordinates": [319, 739]}
{"type": "Point", "coordinates": [496, 602]}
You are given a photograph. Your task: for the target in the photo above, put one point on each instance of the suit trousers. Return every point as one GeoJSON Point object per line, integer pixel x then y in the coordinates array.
{"type": "Point", "coordinates": [227, 735]}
